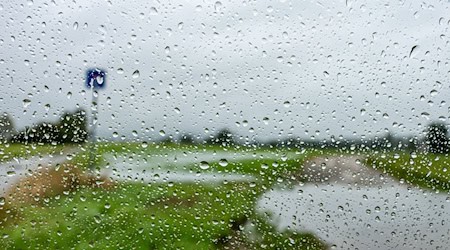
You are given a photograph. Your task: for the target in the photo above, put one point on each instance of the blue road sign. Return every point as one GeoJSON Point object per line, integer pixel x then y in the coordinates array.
{"type": "Point", "coordinates": [95, 78]}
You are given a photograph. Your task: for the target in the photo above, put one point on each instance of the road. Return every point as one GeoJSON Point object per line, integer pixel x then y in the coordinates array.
{"type": "Point", "coordinates": [344, 170]}
{"type": "Point", "coordinates": [350, 206]}
{"type": "Point", "coordinates": [12, 171]}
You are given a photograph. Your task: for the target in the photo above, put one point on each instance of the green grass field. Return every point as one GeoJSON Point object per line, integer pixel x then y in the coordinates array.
{"type": "Point", "coordinates": [137, 216]}
{"type": "Point", "coordinates": [134, 215]}
{"type": "Point", "coordinates": [424, 170]}
{"type": "Point", "coordinates": [173, 215]}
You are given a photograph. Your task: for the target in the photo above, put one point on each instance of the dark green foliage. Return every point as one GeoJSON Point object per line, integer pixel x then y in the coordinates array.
{"type": "Point", "coordinates": [437, 140]}
{"type": "Point", "coordinates": [6, 127]}
{"type": "Point", "coordinates": [71, 128]}
{"type": "Point", "coordinates": [425, 170]}
{"type": "Point", "coordinates": [224, 137]}
{"type": "Point", "coordinates": [187, 139]}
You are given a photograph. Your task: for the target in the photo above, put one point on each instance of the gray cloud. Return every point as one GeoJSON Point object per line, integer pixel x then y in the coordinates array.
{"type": "Point", "coordinates": [262, 69]}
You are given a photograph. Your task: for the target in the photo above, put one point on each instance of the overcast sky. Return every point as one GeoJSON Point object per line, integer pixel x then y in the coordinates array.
{"type": "Point", "coordinates": [263, 69]}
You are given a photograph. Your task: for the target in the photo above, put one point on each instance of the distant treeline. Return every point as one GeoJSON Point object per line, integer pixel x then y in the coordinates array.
{"type": "Point", "coordinates": [226, 138]}
{"type": "Point", "coordinates": [387, 142]}
{"type": "Point", "coordinates": [435, 141]}
{"type": "Point", "coordinates": [72, 127]}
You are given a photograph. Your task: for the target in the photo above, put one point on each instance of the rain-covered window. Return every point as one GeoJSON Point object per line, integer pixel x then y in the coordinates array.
{"type": "Point", "coordinates": [224, 124]}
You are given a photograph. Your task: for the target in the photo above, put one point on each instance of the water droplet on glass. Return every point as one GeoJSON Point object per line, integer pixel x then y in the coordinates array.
{"type": "Point", "coordinates": [136, 74]}
{"type": "Point", "coordinates": [223, 162]}
{"type": "Point", "coordinates": [153, 11]}
{"type": "Point", "coordinates": [97, 219]}
{"type": "Point", "coordinates": [414, 51]}
{"type": "Point", "coordinates": [204, 165]}
{"type": "Point", "coordinates": [99, 80]}
{"type": "Point", "coordinates": [217, 6]}
{"type": "Point", "coordinates": [425, 115]}
{"type": "Point", "coordinates": [26, 102]}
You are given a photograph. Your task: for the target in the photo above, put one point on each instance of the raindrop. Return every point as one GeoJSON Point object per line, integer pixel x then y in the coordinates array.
{"type": "Point", "coordinates": [153, 11]}
{"type": "Point", "coordinates": [26, 102]}
{"type": "Point", "coordinates": [425, 115]}
{"type": "Point", "coordinates": [97, 219]}
{"type": "Point", "coordinates": [414, 51]}
{"type": "Point", "coordinates": [136, 74]}
{"type": "Point", "coordinates": [99, 80]}
{"type": "Point", "coordinates": [75, 25]}
{"type": "Point", "coordinates": [223, 162]}
{"type": "Point", "coordinates": [204, 165]}
{"type": "Point", "coordinates": [217, 6]}
{"type": "Point", "coordinates": [348, 3]}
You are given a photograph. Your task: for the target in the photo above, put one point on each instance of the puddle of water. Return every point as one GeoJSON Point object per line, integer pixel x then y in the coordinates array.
{"type": "Point", "coordinates": [166, 167]}
{"type": "Point", "coordinates": [393, 216]}
{"type": "Point", "coordinates": [154, 176]}
{"type": "Point", "coordinates": [180, 159]}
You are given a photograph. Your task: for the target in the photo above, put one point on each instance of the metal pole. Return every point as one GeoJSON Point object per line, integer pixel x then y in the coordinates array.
{"type": "Point", "coordinates": [92, 136]}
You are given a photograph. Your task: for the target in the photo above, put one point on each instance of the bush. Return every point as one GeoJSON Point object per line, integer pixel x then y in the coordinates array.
{"type": "Point", "coordinates": [437, 140]}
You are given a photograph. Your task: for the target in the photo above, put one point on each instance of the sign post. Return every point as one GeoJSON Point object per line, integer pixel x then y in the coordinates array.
{"type": "Point", "coordinates": [95, 80]}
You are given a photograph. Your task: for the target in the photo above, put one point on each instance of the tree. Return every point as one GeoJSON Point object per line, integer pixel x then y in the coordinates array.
{"type": "Point", "coordinates": [224, 137]}
{"type": "Point", "coordinates": [6, 127]}
{"type": "Point", "coordinates": [71, 128]}
{"type": "Point", "coordinates": [187, 139]}
{"type": "Point", "coordinates": [437, 139]}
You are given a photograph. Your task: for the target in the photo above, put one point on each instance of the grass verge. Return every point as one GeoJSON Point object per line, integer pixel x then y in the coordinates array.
{"type": "Point", "coordinates": [424, 170]}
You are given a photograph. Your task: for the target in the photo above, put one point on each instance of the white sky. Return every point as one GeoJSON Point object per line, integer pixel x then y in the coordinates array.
{"type": "Point", "coordinates": [344, 67]}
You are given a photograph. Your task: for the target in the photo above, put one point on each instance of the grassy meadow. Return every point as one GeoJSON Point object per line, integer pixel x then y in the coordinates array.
{"type": "Point", "coordinates": [167, 215]}
{"type": "Point", "coordinates": [80, 209]}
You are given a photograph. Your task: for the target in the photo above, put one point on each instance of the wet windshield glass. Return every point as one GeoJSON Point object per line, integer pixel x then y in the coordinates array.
{"type": "Point", "coordinates": [224, 125]}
